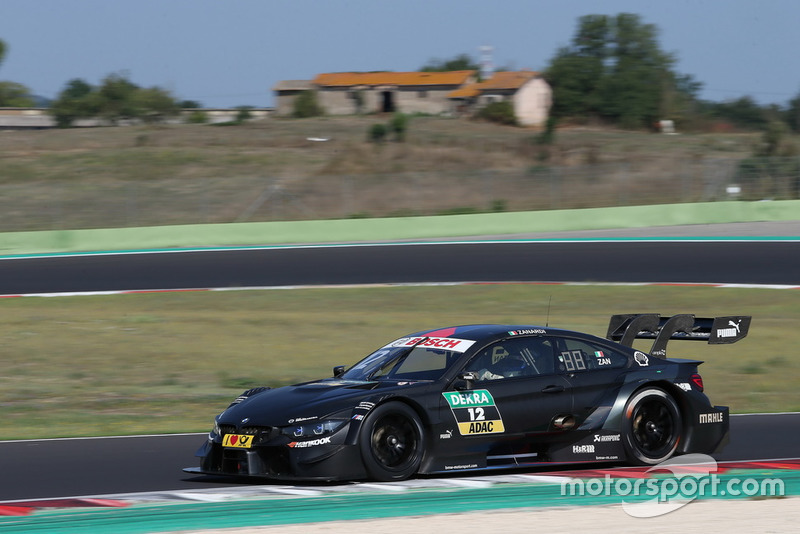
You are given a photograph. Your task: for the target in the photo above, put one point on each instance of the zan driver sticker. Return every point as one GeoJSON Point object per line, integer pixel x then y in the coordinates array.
{"type": "Point", "coordinates": [475, 412]}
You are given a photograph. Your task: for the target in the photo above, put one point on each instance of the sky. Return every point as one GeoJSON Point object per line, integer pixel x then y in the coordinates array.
{"type": "Point", "coordinates": [226, 53]}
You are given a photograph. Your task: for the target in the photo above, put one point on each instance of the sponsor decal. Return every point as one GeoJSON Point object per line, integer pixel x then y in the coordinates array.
{"type": "Point", "coordinates": [463, 466]}
{"type": "Point", "coordinates": [715, 417]}
{"type": "Point", "coordinates": [358, 417]}
{"type": "Point", "coordinates": [606, 457]}
{"type": "Point", "coordinates": [733, 330]}
{"type": "Point", "coordinates": [238, 441]}
{"type": "Point", "coordinates": [475, 412]}
{"type": "Point", "coordinates": [446, 435]}
{"type": "Point", "coordinates": [526, 332]}
{"type": "Point", "coordinates": [602, 359]}
{"type": "Point", "coordinates": [641, 359]}
{"type": "Point", "coordinates": [582, 449]}
{"type": "Point", "coordinates": [312, 443]}
{"type": "Point", "coordinates": [299, 419]}
{"type": "Point", "coordinates": [447, 343]}
{"type": "Point", "coordinates": [685, 386]}
{"type": "Point", "coordinates": [458, 399]}
{"type": "Point", "coordinates": [606, 438]}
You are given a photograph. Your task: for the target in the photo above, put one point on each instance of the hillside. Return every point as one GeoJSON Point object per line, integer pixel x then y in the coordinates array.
{"type": "Point", "coordinates": [276, 169]}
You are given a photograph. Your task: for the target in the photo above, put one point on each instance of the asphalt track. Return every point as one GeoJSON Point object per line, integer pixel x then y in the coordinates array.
{"type": "Point", "coordinates": [45, 469]}
{"type": "Point", "coordinates": [49, 469]}
{"type": "Point", "coordinates": [647, 261]}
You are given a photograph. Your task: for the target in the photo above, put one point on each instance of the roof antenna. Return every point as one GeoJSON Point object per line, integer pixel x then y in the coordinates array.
{"type": "Point", "coordinates": [547, 321]}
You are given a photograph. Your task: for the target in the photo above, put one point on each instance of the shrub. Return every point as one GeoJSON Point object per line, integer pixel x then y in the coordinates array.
{"type": "Point", "coordinates": [500, 112]}
{"type": "Point", "coordinates": [197, 116]}
{"type": "Point", "coordinates": [399, 126]}
{"type": "Point", "coordinates": [377, 133]}
{"type": "Point", "coordinates": [306, 105]}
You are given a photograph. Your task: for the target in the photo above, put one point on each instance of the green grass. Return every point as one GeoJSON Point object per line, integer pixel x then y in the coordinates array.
{"type": "Point", "coordinates": [157, 363]}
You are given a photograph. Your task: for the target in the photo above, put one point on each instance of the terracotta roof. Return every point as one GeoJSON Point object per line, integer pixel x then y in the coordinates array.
{"type": "Point", "coordinates": [499, 80]}
{"type": "Point", "coordinates": [348, 79]}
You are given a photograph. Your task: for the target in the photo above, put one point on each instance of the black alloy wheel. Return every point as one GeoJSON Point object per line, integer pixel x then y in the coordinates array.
{"type": "Point", "coordinates": [392, 442]}
{"type": "Point", "coordinates": [653, 427]}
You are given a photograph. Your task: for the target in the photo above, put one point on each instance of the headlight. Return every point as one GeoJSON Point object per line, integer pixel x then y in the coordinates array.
{"type": "Point", "coordinates": [313, 428]}
{"type": "Point", "coordinates": [215, 431]}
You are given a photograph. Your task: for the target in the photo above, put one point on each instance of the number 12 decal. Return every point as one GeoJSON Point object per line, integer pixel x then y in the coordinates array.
{"type": "Point", "coordinates": [476, 414]}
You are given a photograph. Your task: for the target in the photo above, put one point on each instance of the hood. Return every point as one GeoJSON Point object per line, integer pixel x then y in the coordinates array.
{"type": "Point", "coordinates": [305, 402]}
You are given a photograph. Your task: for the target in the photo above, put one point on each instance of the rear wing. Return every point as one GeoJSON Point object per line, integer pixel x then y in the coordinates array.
{"type": "Point", "coordinates": [717, 330]}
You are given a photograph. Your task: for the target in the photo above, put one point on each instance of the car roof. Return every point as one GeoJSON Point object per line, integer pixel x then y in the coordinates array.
{"type": "Point", "coordinates": [478, 332]}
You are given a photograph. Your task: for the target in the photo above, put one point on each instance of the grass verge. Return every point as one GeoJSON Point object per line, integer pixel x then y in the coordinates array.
{"type": "Point", "coordinates": [168, 362]}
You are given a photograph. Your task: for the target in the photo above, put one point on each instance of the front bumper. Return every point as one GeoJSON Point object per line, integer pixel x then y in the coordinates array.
{"type": "Point", "coordinates": [281, 462]}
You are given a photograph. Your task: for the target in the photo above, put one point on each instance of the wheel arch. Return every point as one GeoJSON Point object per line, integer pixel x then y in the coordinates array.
{"type": "Point", "coordinates": [616, 416]}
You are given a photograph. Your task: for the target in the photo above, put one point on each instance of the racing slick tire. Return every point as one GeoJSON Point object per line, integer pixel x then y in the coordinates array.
{"type": "Point", "coordinates": [653, 427]}
{"type": "Point", "coordinates": [391, 442]}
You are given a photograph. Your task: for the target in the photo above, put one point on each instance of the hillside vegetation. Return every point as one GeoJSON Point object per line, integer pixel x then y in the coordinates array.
{"type": "Point", "coordinates": [328, 168]}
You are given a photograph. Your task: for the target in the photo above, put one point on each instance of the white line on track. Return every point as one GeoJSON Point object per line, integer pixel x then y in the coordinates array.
{"type": "Point", "coordinates": [415, 284]}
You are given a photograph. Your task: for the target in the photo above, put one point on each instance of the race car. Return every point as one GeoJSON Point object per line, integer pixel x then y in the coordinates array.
{"type": "Point", "coordinates": [479, 397]}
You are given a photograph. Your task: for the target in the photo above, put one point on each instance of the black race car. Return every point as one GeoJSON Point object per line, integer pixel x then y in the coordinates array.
{"type": "Point", "coordinates": [470, 398]}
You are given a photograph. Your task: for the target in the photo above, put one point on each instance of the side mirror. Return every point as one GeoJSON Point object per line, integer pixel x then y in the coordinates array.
{"type": "Point", "coordinates": [464, 381]}
{"type": "Point", "coordinates": [338, 371]}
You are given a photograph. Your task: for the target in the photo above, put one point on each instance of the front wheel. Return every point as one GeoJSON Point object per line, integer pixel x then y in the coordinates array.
{"type": "Point", "coordinates": [653, 427]}
{"type": "Point", "coordinates": [391, 442]}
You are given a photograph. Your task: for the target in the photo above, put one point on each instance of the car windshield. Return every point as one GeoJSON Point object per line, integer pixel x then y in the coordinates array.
{"type": "Point", "coordinates": [416, 362]}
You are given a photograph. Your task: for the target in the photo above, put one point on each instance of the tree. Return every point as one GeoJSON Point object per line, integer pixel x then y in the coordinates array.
{"type": "Point", "coordinates": [77, 100]}
{"type": "Point", "coordinates": [306, 105]}
{"type": "Point", "coordinates": [154, 105]}
{"type": "Point", "coordinates": [793, 114]}
{"type": "Point", "coordinates": [614, 70]}
{"type": "Point", "coordinates": [190, 104]}
{"type": "Point", "coordinates": [13, 95]}
{"type": "Point", "coordinates": [117, 98]}
{"type": "Point", "coordinates": [743, 112]}
{"type": "Point", "coordinates": [460, 62]}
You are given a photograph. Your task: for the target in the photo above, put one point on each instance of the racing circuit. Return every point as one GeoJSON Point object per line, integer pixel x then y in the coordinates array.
{"type": "Point", "coordinates": [117, 466]}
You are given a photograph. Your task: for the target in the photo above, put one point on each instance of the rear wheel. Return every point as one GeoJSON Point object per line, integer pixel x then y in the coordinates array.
{"type": "Point", "coordinates": [391, 442]}
{"type": "Point", "coordinates": [653, 427]}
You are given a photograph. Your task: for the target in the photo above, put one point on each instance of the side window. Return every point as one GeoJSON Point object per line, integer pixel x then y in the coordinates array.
{"type": "Point", "coordinates": [513, 358]}
{"type": "Point", "coordinates": [576, 356]}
